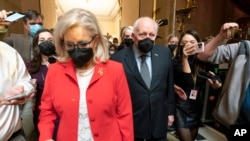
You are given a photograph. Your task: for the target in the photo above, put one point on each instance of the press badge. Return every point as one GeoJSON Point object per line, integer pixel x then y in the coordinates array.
{"type": "Point", "coordinates": [193, 94]}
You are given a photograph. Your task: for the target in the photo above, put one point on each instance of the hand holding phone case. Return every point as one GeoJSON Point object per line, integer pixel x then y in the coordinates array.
{"type": "Point", "coordinates": [19, 96]}
{"type": "Point", "coordinates": [27, 91]}
{"type": "Point", "coordinates": [207, 75]}
{"type": "Point", "coordinates": [199, 48]}
{"type": "Point", "coordinates": [14, 17]}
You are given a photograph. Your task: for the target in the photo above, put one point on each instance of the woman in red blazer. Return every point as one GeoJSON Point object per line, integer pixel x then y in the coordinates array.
{"type": "Point", "coordinates": [87, 91]}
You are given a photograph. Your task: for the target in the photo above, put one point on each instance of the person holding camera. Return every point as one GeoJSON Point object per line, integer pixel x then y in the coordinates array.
{"type": "Point", "coordinates": [188, 86]}
{"type": "Point", "coordinates": [217, 52]}
{"type": "Point", "coordinates": [126, 38]}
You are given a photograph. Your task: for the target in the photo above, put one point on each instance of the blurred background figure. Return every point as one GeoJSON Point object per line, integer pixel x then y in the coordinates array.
{"type": "Point", "coordinates": [126, 37]}
{"type": "Point", "coordinates": [43, 49]}
{"type": "Point", "coordinates": [171, 42]}
{"type": "Point", "coordinates": [112, 49]}
{"type": "Point", "coordinates": [115, 41]}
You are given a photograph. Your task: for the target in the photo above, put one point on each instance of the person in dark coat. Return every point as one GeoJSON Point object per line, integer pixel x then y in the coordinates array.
{"type": "Point", "coordinates": [153, 103]}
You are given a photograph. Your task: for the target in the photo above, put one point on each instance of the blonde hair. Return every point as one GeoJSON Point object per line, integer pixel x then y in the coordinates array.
{"type": "Point", "coordinates": [87, 20]}
{"type": "Point", "coordinates": [124, 30]}
{"type": "Point", "coordinates": [170, 36]}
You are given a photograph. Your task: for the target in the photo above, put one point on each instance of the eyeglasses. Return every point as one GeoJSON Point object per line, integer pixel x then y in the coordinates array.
{"type": "Point", "coordinates": [69, 45]}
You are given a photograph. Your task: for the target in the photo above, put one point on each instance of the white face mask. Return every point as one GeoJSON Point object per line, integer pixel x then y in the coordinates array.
{"type": "Point", "coordinates": [111, 52]}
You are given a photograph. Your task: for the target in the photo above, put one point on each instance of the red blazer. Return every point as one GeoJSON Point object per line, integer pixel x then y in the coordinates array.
{"type": "Point", "coordinates": [108, 102]}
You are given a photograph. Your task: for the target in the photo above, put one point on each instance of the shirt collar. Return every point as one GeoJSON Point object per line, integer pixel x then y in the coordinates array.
{"type": "Point", "coordinates": [138, 53]}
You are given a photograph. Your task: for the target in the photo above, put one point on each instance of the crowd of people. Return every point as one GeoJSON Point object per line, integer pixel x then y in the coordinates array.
{"type": "Point", "coordinates": [80, 86]}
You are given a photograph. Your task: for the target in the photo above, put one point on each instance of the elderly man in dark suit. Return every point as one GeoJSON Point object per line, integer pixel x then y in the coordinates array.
{"type": "Point", "coordinates": [149, 73]}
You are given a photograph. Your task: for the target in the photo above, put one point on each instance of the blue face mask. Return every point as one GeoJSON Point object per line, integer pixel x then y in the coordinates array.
{"type": "Point", "coordinates": [34, 28]}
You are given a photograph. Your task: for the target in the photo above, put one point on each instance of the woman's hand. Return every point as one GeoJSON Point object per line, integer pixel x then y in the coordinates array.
{"type": "Point", "coordinates": [189, 49]}
{"type": "Point", "coordinates": [180, 92]}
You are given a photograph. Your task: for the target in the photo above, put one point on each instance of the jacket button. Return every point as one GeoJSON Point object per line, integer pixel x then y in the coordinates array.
{"type": "Point", "coordinates": [96, 134]}
{"type": "Point", "coordinates": [92, 119]}
{"type": "Point", "coordinates": [90, 101]}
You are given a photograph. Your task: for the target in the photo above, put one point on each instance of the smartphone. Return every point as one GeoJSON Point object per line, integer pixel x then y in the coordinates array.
{"type": "Point", "coordinates": [199, 48]}
{"type": "Point", "coordinates": [207, 75]}
{"type": "Point", "coordinates": [163, 22]}
{"type": "Point", "coordinates": [19, 96]}
{"type": "Point", "coordinates": [30, 89]}
{"type": "Point", "coordinates": [14, 16]}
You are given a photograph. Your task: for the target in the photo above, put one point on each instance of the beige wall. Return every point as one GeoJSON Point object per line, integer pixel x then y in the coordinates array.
{"type": "Point", "coordinates": [48, 9]}
{"type": "Point", "coordinates": [146, 8]}
{"type": "Point", "coordinates": [130, 12]}
{"type": "Point", "coordinates": [111, 26]}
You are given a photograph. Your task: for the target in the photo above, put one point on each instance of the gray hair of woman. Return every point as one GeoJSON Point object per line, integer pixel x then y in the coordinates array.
{"type": "Point", "coordinates": [87, 20]}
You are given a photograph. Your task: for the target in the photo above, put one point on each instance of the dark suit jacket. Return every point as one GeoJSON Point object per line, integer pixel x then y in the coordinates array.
{"type": "Point", "coordinates": [151, 107]}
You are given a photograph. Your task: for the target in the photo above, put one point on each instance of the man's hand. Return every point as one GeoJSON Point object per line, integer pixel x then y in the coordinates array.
{"type": "Point", "coordinates": [225, 27]}
{"type": "Point", "coordinates": [13, 91]}
{"type": "Point", "coordinates": [17, 101]}
{"type": "Point", "coordinates": [214, 84]}
{"type": "Point", "coordinates": [3, 16]}
{"type": "Point", "coordinates": [170, 120]}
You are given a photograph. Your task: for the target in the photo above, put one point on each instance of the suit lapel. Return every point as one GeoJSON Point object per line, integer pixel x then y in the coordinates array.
{"type": "Point", "coordinates": [131, 64]}
{"type": "Point", "coordinates": [155, 61]}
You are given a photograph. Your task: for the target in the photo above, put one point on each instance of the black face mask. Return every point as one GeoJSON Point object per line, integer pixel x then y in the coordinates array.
{"type": "Point", "coordinates": [81, 56]}
{"type": "Point", "coordinates": [145, 45]}
{"type": "Point", "coordinates": [47, 48]}
{"type": "Point", "coordinates": [172, 47]}
{"type": "Point", "coordinates": [128, 42]}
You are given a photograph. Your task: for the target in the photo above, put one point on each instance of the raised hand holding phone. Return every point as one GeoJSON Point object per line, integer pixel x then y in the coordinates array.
{"type": "Point", "coordinates": [3, 22]}
{"type": "Point", "coordinates": [199, 47]}
{"type": "Point", "coordinates": [14, 16]}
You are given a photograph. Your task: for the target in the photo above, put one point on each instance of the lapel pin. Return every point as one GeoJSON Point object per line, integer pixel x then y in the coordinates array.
{"type": "Point", "coordinates": [100, 71]}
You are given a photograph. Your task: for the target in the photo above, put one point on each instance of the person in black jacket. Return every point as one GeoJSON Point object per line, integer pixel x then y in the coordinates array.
{"type": "Point", "coordinates": [153, 102]}
{"type": "Point", "coordinates": [126, 37]}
